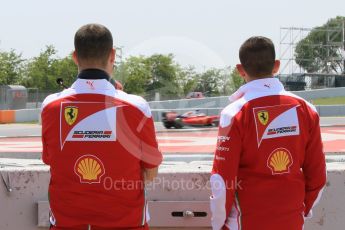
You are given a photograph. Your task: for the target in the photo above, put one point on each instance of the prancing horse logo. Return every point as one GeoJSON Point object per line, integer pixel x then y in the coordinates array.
{"type": "Point", "coordinates": [71, 114]}
{"type": "Point", "coordinates": [263, 117]}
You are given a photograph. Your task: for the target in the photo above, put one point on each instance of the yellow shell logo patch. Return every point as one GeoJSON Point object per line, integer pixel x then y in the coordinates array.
{"type": "Point", "coordinates": [89, 169]}
{"type": "Point", "coordinates": [280, 161]}
{"type": "Point", "coordinates": [71, 114]}
{"type": "Point", "coordinates": [263, 117]}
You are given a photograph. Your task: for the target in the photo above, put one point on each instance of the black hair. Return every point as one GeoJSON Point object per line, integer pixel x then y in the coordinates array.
{"type": "Point", "coordinates": [257, 56]}
{"type": "Point", "coordinates": [93, 43]}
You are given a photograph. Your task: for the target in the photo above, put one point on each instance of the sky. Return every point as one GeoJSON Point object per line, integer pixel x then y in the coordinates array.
{"type": "Point", "coordinates": [202, 33]}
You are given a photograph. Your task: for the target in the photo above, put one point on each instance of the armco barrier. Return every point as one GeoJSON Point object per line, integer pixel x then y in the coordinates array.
{"type": "Point", "coordinates": [208, 102]}
{"type": "Point", "coordinates": [17, 116]}
{"type": "Point", "coordinates": [321, 93]}
{"type": "Point", "coordinates": [209, 106]}
{"type": "Point", "coordinates": [180, 187]}
{"type": "Point", "coordinates": [323, 110]}
{"type": "Point", "coordinates": [215, 102]}
{"type": "Point", "coordinates": [331, 110]}
{"type": "Point", "coordinates": [7, 116]}
{"type": "Point", "coordinates": [28, 115]}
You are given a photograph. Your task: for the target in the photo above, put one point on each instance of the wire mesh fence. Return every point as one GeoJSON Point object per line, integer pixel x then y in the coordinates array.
{"type": "Point", "coordinates": [36, 97]}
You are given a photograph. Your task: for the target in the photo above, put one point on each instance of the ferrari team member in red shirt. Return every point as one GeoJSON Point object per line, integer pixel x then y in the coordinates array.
{"type": "Point", "coordinates": [100, 144]}
{"type": "Point", "coordinates": [269, 168]}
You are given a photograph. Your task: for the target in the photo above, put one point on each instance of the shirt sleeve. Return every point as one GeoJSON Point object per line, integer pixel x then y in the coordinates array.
{"type": "Point", "coordinates": [224, 174]}
{"type": "Point", "coordinates": [314, 167]}
{"type": "Point", "coordinates": [151, 155]}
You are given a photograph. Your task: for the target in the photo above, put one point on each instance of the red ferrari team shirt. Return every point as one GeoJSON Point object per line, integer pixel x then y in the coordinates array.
{"type": "Point", "coordinates": [269, 167]}
{"type": "Point", "coordinates": [97, 140]}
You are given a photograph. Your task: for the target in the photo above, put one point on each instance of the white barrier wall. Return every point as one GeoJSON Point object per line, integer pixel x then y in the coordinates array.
{"type": "Point", "coordinates": [324, 111]}
{"type": "Point", "coordinates": [180, 187]}
{"type": "Point", "coordinates": [27, 115]}
{"type": "Point", "coordinates": [216, 102]}
{"type": "Point", "coordinates": [321, 93]}
{"type": "Point", "coordinates": [210, 105]}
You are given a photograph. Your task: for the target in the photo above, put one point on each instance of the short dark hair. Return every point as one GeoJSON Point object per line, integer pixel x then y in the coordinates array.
{"type": "Point", "coordinates": [93, 43]}
{"type": "Point", "coordinates": [257, 56]}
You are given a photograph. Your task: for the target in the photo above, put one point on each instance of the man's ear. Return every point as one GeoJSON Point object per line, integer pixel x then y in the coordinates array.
{"type": "Point", "coordinates": [75, 58]}
{"type": "Point", "coordinates": [276, 67]}
{"type": "Point", "coordinates": [112, 56]}
{"type": "Point", "coordinates": [241, 70]}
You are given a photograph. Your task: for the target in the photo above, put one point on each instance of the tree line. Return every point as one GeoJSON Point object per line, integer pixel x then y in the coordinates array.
{"type": "Point", "coordinates": [38, 72]}
{"type": "Point", "coordinates": [159, 73]}
{"type": "Point", "coordinates": [141, 75]}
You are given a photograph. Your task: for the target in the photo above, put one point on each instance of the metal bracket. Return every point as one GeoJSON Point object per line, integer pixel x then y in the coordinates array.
{"type": "Point", "coordinates": [188, 213]}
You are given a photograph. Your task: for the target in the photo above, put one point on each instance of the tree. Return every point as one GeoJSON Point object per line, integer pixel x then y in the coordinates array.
{"type": "Point", "coordinates": [40, 70]}
{"type": "Point", "coordinates": [139, 75]}
{"type": "Point", "coordinates": [208, 82]}
{"type": "Point", "coordinates": [149, 75]}
{"type": "Point", "coordinates": [317, 51]}
{"type": "Point", "coordinates": [226, 82]}
{"type": "Point", "coordinates": [43, 70]}
{"type": "Point", "coordinates": [134, 74]}
{"type": "Point", "coordinates": [237, 80]}
{"type": "Point", "coordinates": [66, 69]}
{"type": "Point", "coordinates": [11, 68]}
{"type": "Point", "coordinates": [186, 80]}
{"type": "Point", "coordinates": [163, 75]}
{"type": "Point", "coordinates": [215, 82]}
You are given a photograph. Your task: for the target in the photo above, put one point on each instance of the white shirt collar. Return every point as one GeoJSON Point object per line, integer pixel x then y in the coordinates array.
{"type": "Point", "coordinates": [261, 85]}
{"type": "Point", "coordinates": [92, 85]}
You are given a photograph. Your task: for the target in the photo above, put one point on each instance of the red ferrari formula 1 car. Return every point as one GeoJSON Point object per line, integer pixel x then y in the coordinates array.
{"type": "Point", "coordinates": [191, 118]}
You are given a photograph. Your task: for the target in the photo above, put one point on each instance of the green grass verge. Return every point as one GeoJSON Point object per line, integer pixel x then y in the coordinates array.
{"type": "Point", "coordinates": [23, 123]}
{"type": "Point", "coordinates": [329, 101]}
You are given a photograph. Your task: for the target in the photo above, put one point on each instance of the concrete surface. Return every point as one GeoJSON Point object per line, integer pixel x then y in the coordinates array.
{"type": "Point", "coordinates": [22, 130]}
{"type": "Point", "coordinates": [184, 142]}
{"type": "Point", "coordinates": [180, 186]}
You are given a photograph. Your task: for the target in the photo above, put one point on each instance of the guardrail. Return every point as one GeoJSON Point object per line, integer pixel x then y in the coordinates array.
{"type": "Point", "coordinates": [221, 102]}
{"type": "Point", "coordinates": [33, 115]}
{"type": "Point", "coordinates": [209, 106]}
{"type": "Point", "coordinates": [323, 110]}
{"type": "Point", "coordinates": [18, 116]}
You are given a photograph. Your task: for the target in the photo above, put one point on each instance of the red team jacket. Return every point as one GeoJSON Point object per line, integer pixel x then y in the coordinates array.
{"type": "Point", "coordinates": [269, 168]}
{"type": "Point", "coordinates": [97, 140]}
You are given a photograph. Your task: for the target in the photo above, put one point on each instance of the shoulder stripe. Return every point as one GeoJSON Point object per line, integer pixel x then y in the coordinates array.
{"type": "Point", "coordinates": [286, 93]}
{"type": "Point", "coordinates": [56, 96]}
{"type": "Point", "coordinates": [107, 90]}
{"type": "Point", "coordinates": [229, 112]}
{"type": "Point", "coordinates": [136, 101]}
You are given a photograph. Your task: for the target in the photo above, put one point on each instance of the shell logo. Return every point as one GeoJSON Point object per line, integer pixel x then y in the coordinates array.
{"type": "Point", "coordinates": [89, 169]}
{"type": "Point", "coordinates": [280, 161]}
